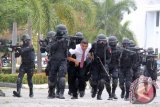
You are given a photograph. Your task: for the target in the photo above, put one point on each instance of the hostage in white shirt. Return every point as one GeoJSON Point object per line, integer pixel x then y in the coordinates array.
{"type": "Point", "coordinates": [78, 51]}
{"type": "Point", "coordinates": [81, 52]}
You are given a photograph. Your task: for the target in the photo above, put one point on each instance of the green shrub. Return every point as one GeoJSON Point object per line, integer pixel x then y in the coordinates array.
{"type": "Point", "coordinates": [7, 70]}
{"type": "Point", "coordinates": [38, 78]}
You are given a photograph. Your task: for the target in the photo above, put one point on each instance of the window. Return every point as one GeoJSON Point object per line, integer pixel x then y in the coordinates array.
{"type": "Point", "coordinates": [157, 19]}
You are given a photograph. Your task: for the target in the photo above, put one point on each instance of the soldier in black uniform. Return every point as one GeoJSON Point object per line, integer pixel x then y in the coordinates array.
{"type": "Point", "coordinates": [101, 57]}
{"type": "Point", "coordinates": [151, 64]}
{"type": "Point", "coordinates": [71, 65]}
{"type": "Point", "coordinates": [138, 61]}
{"type": "Point", "coordinates": [127, 59]}
{"type": "Point", "coordinates": [45, 47]}
{"type": "Point", "coordinates": [28, 57]}
{"type": "Point", "coordinates": [113, 67]}
{"type": "Point", "coordinates": [59, 53]}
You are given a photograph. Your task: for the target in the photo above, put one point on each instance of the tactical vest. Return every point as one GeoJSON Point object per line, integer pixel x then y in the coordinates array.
{"type": "Point", "coordinates": [151, 63]}
{"type": "Point", "coordinates": [100, 51]}
{"type": "Point", "coordinates": [28, 57]}
{"type": "Point", "coordinates": [115, 56]}
{"type": "Point", "coordinates": [59, 50]}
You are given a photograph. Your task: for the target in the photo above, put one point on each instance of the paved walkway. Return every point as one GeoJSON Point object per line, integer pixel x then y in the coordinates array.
{"type": "Point", "coordinates": [41, 92]}
{"type": "Point", "coordinates": [40, 100]}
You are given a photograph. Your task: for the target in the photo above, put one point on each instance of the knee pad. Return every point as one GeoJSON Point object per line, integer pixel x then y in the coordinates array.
{"type": "Point", "coordinates": [62, 70]}
{"type": "Point", "coordinates": [52, 83]}
{"type": "Point", "coordinates": [121, 85]}
{"type": "Point", "coordinates": [62, 82]}
{"type": "Point", "coordinates": [101, 83]}
{"type": "Point", "coordinates": [115, 82]}
{"type": "Point", "coordinates": [93, 82]}
{"type": "Point", "coordinates": [115, 74]}
{"type": "Point", "coordinates": [19, 82]}
{"type": "Point", "coordinates": [128, 83]}
{"type": "Point", "coordinates": [107, 84]}
{"type": "Point", "coordinates": [62, 79]}
{"type": "Point", "coordinates": [21, 68]}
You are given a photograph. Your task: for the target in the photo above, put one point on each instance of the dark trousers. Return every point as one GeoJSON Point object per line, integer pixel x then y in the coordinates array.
{"type": "Point", "coordinates": [71, 76]}
{"type": "Point", "coordinates": [136, 73]}
{"type": "Point", "coordinates": [79, 77]}
{"type": "Point", "coordinates": [113, 71]}
{"type": "Point", "coordinates": [22, 70]}
{"type": "Point", "coordinates": [125, 79]}
{"type": "Point", "coordinates": [57, 76]}
{"type": "Point", "coordinates": [150, 73]}
{"type": "Point", "coordinates": [97, 79]}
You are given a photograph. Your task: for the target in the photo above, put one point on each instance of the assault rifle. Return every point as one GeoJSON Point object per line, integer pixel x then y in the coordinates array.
{"type": "Point", "coordinates": [135, 48]}
{"type": "Point", "coordinates": [101, 65]}
{"type": "Point", "coordinates": [10, 47]}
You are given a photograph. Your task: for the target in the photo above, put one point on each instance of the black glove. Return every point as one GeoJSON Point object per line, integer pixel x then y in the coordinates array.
{"type": "Point", "coordinates": [19, 50]}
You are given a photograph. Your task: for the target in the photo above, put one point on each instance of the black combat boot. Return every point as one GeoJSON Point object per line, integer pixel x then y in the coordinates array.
{"type": "Point", "coordinates": [61, 94]}
{"type": "Point", "coordinates": [127, 94]}
{"type": "Point", "coordinates": [110, 97]}
{"type": "Point", "coordinates": [57, 93]}
{"type": "Point", "coordinates": [109, 93]}
{"type": "Point", "coordinates": [31, 92]}
{"type": "Point", "coordinates": [94, 92]}
{"type": "Point", "coordinates": [70, 93]}
{"type": "Point", "coordinates": [75, 96]}
{"type": "Point", "coordinates": [17, 93]}
{"type": "Point", "coordinates": [99, 95]}
{"type": "Point", "coordinates": [126, 97]}
{"type": "Point", "coordinates": [50, 92]}
{"type": "Point", "coordinates": [122, 93]}
{"type": "Point", "coordinates": [81, 93]}
{"type": "Point", "coordinates": [53, 93]}
{"type": "Point", "coordinates": [113, 94]}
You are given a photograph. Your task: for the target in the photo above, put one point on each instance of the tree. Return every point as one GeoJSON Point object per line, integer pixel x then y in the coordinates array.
{"type": "Point", "coordinates": [110, 14]}
{"type": "Point", "coordinates": [44, 14]}
{"type": "Point", "coordinates": [12, 11]}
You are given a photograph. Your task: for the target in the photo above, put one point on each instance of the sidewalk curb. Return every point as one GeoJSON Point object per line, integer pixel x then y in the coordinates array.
{"type": "Point", "coordinates": [5, 84]}
{"type": "Point", "coordinates": [25, 86]}
{"type": "Point", "coordinates": [37, 86]}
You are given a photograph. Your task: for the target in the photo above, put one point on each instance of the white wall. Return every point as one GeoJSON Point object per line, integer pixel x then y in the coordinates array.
{"type": "Point", "coordinates": [143, 23]}
{"type": "Point", "coordinates": [137, 19]}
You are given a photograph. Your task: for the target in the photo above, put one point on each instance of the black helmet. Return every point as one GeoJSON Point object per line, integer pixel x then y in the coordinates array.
{"type": "Point", "coordinates": [79, 35]}
{"type": "Point", "coordinates": [61, 30]}
{"type": "Point", "coordinates": [132, 44]}
{"type": "Point", "coordinates": [150, 50]}
{"type": "Point", "coordinates": [51, 34]}
{"type": "Point", "coordinates": [125, 42]}
{"type": "Point", "coordinates": [101, 37]}
{"type": "Point", "coordinates": [112, 40]}
{"type": "Point", "coordinates": [26, 37]}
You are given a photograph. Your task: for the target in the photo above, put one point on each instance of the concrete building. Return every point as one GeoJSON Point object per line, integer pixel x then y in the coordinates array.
{"type": "Point", "coordinates": [145, 23]}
